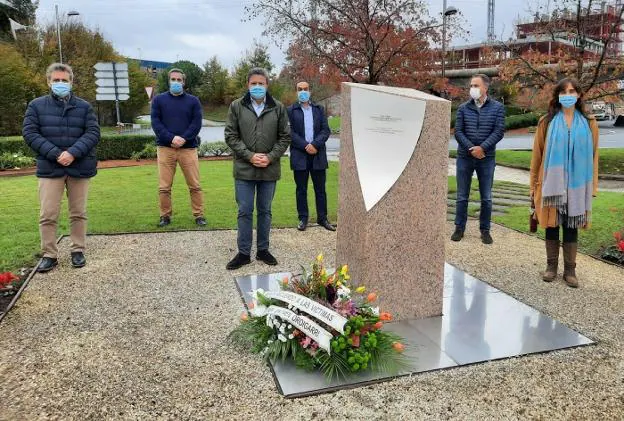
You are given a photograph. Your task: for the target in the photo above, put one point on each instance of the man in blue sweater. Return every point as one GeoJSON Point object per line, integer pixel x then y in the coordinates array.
{"type": "Point", "coordinates": [177, 120]}
{"type": "Point", "coordinates": [480, 125]}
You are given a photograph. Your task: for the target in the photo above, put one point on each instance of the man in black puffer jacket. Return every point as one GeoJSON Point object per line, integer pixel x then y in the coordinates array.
{"type": "Point", "coordinates": [63, 131]}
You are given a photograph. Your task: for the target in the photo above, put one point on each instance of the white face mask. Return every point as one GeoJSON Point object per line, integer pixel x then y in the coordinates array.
{"type": "Point", "coordinates": [475, 93]}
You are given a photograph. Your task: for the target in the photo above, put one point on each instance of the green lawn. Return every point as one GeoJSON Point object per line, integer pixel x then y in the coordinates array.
{"type": "Point", "coordinates": [611, 160]}
{"type": "Point", "coordinates": [216, 113]}
{"type": "Point", "coordinates": [126, 200]}
{"type": "Point", "coordinates": [607, 217]}
{"type": "Point", "coordinates": [334, 124]}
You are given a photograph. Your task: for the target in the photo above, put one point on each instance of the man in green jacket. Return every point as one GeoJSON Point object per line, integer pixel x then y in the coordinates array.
{"type": "Point", "coordinates": [257, 132]}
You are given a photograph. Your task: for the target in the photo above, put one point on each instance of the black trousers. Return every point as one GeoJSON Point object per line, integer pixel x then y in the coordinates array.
{"type": "Point", "coordinates": [570, 235]}
{"type": "Point", "coordinates": [318, 181]}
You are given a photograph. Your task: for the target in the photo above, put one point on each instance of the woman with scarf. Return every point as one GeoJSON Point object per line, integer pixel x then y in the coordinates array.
{"type": "Point", "coordinates": [564, 176]}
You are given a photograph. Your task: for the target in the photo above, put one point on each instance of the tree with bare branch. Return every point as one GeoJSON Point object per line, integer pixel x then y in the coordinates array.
{"type": "Point", "coordinates": [367, 41]}
{"type": "Point", "coordinates": [588, 48]}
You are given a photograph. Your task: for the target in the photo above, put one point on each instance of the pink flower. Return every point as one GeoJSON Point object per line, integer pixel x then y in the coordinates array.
{"type": "Point", "coordinates": [305, 342]}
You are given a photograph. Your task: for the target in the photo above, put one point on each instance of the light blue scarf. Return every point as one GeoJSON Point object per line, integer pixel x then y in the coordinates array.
{"type": "Point", "coordinates": [569, 170]}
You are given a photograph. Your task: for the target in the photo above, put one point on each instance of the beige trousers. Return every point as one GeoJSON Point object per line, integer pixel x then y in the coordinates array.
{"type": "Point", "coordinates": [50, 196]}
{"type": "Point", "coordinates": [168, 158]}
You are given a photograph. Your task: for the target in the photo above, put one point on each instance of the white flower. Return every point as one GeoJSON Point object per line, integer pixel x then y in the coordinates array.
{"type": "Point", "coordinates": [375, 310]}
{"type": "Point", "coordinates": [270, 341]}
{"type": "Point", "coordinates": [282, 338]}
{"type": "Point", "coordinates": [289, 326]}
{"type": "Point", "coordinates": [291, 336]}
{"type": "Point", "coordinates": [282, 329]}
{"type": "Point", "coordinates": [258, 310]}
{"type": "Point", "coordinates": [343, 292]}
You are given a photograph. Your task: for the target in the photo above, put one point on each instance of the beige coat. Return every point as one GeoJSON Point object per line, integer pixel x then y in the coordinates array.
{"type": "Point", "coordinates": [547, 216]}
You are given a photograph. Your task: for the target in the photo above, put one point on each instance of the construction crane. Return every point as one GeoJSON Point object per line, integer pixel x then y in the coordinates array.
{"type": "Point", "coordinates": [491, 36]}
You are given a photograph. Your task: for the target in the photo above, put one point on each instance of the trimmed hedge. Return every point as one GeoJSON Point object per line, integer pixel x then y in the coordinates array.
{"type": "Point", "coordinates": [513, 121]}
{"type": "Point", "coordinates": [110, 146]}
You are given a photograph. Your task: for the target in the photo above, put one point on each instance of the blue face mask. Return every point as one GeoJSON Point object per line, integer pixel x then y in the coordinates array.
{"type": "Point", "coordinates": [567, 101]}
{"type": "Point", "coordinates": [61, 89]}
{"type": "Point", "coordinates": [257, 91]}
{"type": "Point", "coordinates": [304, 96]}
{"type": "Point", "coordinates": [176, 88]}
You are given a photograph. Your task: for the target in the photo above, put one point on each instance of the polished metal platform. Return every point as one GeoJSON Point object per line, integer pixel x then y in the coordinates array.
{"type": "Point", "coordinates": [479, 323]}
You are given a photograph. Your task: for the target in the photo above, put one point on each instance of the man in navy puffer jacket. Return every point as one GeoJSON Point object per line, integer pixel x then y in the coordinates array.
{"type": "Point", "coordinates": [480, 125]}
{"type": "Point", "coordinates": [63, 131]}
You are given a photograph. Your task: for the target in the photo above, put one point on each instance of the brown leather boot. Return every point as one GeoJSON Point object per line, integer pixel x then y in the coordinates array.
{"type": "Point", "coordinates": [552, 260]}
{"type": "Point", "coordinates": [569, 264]}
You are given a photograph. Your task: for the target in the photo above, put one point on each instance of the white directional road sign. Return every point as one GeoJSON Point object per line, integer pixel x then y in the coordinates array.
{"type": "Point", "coordinates": [109, 75]}
{"type": "Point", "coordinates": [111, 97]}
{"type": "Point", "coordinates": [121, 67]}
{"type": "Point", "coordinates": [111, 90]}
{"type": "Point", "coordinates": [112, 82]}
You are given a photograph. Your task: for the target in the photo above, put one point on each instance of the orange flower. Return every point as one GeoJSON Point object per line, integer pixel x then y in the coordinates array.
{"type": "Point", "coordinates": [386, 317]}
{"type": "Point", "coordinates": [250, 305]}
{"type": "Point", "coordinates": [285, 281]}
{"type": "Point", "coordinates": [244, 316]}
{"type": "Point", "coordinates": [398, 347]}
{"type": "Point", "coordinates": [378, 325]}
{"type": "Point", "coordinates": [371, 297]}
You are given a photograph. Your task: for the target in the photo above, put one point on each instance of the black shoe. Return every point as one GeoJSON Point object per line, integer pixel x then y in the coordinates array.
{"type": "Point", "coordinates": [266, 257]}
{"type": "Point", "coordinates": [164, 221]}
{"type": "Point", "coordinates": [486, 238]}
{"type": "Point", "coordinates": [457, 235]}
{"type": "Point", "coordinates": [77, 259]}
{"type": "Point", "coordinates": [325, 224]}
{"type": "Point", "coordinates": [201, 221]}
{"type": "Point", "coordinates": [238, 261]}
{"type": "Point", "coordinates": [47, 264]}
{"type": "Point", "coordinates": [302, 225]}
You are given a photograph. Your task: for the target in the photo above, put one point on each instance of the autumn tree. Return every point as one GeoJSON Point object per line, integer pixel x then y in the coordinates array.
{"type": "Point", "coordinates": [587, 49]}
{"type": "Point", "coordinates": [214, 82]}
{"type": "Point", "coordinates": [21, 11]}
{"type": "Point", "coordinates": [19, 85]}
{"type": "Point", "coordinates": [367, 41]}
{"type": "Point", "coordinates": [257, 56]}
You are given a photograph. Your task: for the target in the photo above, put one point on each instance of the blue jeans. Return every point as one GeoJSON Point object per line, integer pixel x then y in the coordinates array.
{"type": "Point", "coordinates": [466, 166]}
{"type": "Point", "coordinates": [263, 191]}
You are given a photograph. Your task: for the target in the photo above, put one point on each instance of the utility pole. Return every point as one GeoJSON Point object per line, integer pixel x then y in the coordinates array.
{"type": "Point", "coordinates": [58, 33]}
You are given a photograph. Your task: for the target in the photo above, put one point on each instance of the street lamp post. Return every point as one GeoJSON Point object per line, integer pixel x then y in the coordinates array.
{"type": "Point", "coordinates": [446, 11]}
{"type": "Point", "coordinates": [58, 30]}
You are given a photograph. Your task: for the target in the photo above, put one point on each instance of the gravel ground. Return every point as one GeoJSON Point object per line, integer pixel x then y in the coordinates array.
{"type": "Point", "coordinates": [140, 334]}
{"type": "Point", "coordinates": [522, 176]}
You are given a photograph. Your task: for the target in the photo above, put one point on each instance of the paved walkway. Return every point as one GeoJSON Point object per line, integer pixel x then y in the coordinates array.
{"type": "Point", "coordinates": [522, 177]}
{"type": "Point", "coordinates": [142, 335]}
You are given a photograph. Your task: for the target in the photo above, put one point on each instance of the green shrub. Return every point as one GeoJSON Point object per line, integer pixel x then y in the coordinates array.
{"type": "Point", "coordinates": [521, 121]}
{"type": "Point", "coordinates": [9, 161]}
{"type": "Point", "coordinates": [214, 149]}
{"type": "Point", "coordinates": [512, 110]}
{"type": "Point", "coordinates": [15, 144]}
{"type": "Point", "coordinates": [113, 146]}
{"type": "Point", "coordinates": [149, 152]}
{"type": "Point", "coordinates": [122, 146]}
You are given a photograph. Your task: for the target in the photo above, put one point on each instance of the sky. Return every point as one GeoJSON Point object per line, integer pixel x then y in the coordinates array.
{"type": "Point", "coordinates": [168, 30]}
